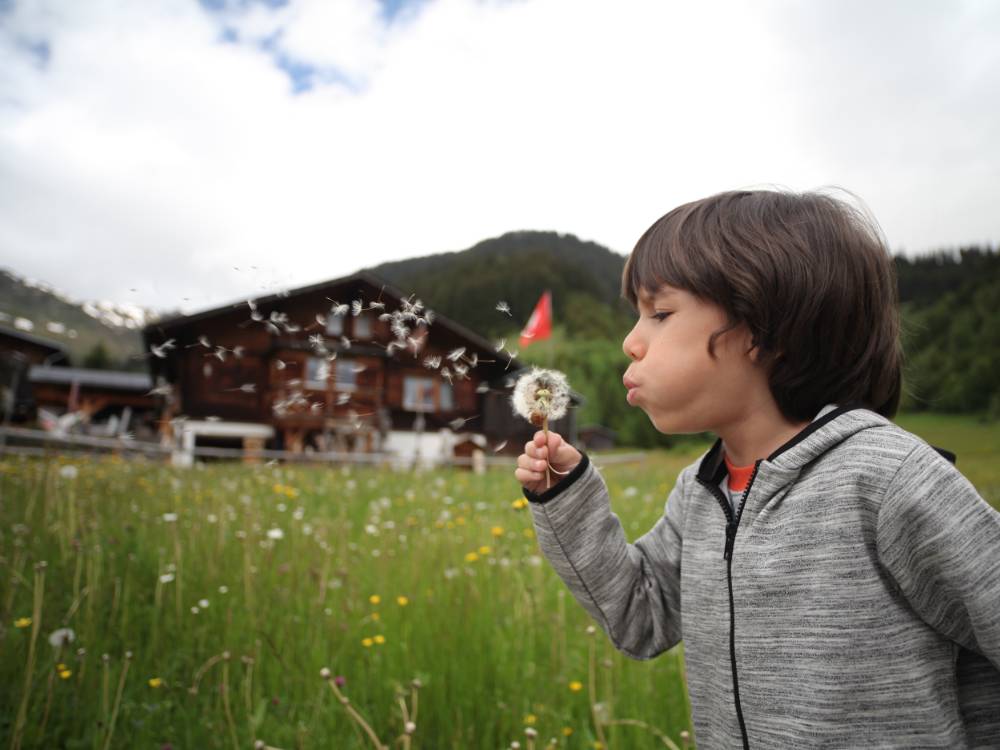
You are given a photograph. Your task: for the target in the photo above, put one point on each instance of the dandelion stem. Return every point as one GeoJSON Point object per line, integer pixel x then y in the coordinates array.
{"type": "Point", "coordinates": [346, 703]}
{"type": "Point", "coordinates": [118, 702]}
{"type": "Point", "coordinates": [48, 696]}
{"type": "Point", "coordinates": [225, 703]}
{"type": "Point", "coordinates": [592, 689]}
{"type": "Point", "coordinates": [36, 624]}
{"type": "Point", "coordinates": [548, 477]}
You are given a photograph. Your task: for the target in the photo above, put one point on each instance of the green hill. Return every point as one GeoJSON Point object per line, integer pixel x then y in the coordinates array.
{"type": "Point", "coordinates": [517, 267]}
{"type": "Point", "coordinates": [80, 327]}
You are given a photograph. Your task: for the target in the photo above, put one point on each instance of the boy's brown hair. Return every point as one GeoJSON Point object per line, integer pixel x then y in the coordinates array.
{"type": "Point", "coordinates": [810, 275]}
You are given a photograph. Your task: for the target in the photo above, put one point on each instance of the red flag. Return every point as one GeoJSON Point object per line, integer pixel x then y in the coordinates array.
{"type": "Point", "coordinates": [539, 325]}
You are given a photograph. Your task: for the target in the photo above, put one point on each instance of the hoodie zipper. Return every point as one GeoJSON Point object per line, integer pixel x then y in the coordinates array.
{"type": "Point", "coordinates": [731, 525]}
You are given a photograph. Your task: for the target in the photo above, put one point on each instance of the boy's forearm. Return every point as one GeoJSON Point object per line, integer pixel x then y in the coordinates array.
{"type": "Point", "coordinates": [586, 545]}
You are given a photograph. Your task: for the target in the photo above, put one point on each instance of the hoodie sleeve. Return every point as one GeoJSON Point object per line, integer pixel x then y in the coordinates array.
{"type": "Point", "coordinates": [631, 590]}
{"type": "Point", "coordinates": [940, 541]}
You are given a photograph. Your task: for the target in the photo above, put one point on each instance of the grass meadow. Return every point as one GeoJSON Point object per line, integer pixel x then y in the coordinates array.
{"type": "Point", "coordinates": [207, 605]}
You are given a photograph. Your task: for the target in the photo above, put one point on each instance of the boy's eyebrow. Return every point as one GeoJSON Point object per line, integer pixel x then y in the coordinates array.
{"type": "Point", "coordinates": [645, 296]}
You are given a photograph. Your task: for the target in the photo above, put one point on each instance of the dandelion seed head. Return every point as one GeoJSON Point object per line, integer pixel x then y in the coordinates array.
{"type": "Point", "coordinates": [541, 394]}
{"type": "Point", "coordinates": [61, 637]}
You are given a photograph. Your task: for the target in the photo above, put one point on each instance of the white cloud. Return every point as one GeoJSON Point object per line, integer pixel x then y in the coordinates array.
{"type": "Point", "coordinates": [149, 153]}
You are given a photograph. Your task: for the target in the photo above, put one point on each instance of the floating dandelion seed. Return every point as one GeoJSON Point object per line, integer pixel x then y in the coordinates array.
{"type": "Point", "coordinates": [504, 308]}
{"type": "Point", "coordinates": [455, 354]}
{"type": "Point", "coordinates": [540, 395]}
{"type": "Point", "coordinates": [161, 350]}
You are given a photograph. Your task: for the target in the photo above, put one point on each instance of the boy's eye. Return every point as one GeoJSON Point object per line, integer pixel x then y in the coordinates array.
{"type": "Point", "coordinates": [660, 315]}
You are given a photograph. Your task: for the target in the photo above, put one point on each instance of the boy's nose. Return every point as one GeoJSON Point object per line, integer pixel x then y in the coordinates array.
{"type": "Point", "coordinates": [631, 346]}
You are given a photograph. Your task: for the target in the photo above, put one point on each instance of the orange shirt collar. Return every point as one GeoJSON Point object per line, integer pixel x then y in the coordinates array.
{"type": "Point", "coordinates": [739, 476]}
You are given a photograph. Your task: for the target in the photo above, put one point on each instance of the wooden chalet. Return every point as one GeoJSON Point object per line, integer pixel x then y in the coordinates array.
{"type": "Point", "coordinates": [19, 351]}
{"type": "Point", "coordinates": [107, 402]}
{"type": "Point", "coordinates": [351, 364]}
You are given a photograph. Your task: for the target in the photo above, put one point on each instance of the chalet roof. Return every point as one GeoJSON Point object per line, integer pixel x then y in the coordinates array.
{"type": "Point", "coordinates": [123, 381]}
{"type": "Point", "coordinates": [31, 338]}
{"type": "Point", "coordinates": [366, 277]}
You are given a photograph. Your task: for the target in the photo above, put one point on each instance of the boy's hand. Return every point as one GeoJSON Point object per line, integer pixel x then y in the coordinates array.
{"type": "Point", "coordinates": [530, 470]}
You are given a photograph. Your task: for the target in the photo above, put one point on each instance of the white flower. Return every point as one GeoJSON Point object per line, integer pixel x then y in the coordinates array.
{"type": "Point", "coordinates": [541, 394]}
{"type": "Point", "coordinates": [166, 578]}
{"type": "Point", "coordinates": [195, 610]}
{"type": "Point", "coordinates": [68, 472]}
{"type": "Point", "coordinates": [169, 517]}
{"type": "Point", "coordinates": [223, 589]}
{"type": "Point", "coordinates": [61, 637]}
{"type": "Point", "coordinates": [275, 533]}
{"type": "Point", "coordinates": [203, 603]}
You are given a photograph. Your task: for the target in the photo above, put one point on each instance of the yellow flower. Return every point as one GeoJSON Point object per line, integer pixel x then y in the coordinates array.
{"type": "Point", "coordinates": [598, 745]}
{"type": "Point", "coordinates": [439, 524]}
{"type": "Point", "coordinates": [380, 639]}
{"type": "Point", "coordinates": [530, 719]}
{"type": "Point", "coordinates": [155, 682]}
{"type": "Point", "coordinates": [279, 488]}
{"type": "Point", "coordinates": [576, 686]}
{"type": "Point", "coordinates": [484, 550]}
{"type": "Point", "coordinates": [376, 616]}
{"type": "Point", "coordinates": [471, 557]}
{"type": "Point", "coordinates": [460, 520]}
{"type": "Point", "coordinates": [367, 642]}
{"type": "Point", "coordinates": [567, 731]}
{"type": "Point", "coordinates": [402, 601]}
{"type": "Point", "coordinates": [519, 504]}
{"type": "Point", "coordinates": [22, 622]}
{"type": "Point", "coordinates": [529, 533]}
{"type": "Point", "coordinates": [65, 674]}
{"type": "Point", "coordinates": [374, 598]}
{"type": "Point", "coordinates": [60, 667]}
{"type": "Point", "coordinates": [497, 531]}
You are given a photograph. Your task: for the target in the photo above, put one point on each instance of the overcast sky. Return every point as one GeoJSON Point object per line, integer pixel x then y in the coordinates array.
{"type": "Point", "coordinates": [150, 149]}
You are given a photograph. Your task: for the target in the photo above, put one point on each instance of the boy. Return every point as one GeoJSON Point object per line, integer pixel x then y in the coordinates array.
{"type": "Point", "coordinates": [836, 581]}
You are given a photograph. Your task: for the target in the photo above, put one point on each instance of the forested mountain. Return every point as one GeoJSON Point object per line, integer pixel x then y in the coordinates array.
{"type": "Point", "coordinates": [516, 268]}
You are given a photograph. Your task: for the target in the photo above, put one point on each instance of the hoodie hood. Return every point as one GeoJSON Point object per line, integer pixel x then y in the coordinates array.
{"type": "Point", "coordinates": [831, 427]}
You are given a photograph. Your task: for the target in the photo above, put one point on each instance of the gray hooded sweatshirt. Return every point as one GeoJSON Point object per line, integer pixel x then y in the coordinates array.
{"type": "Point", "coordinates": [851, 600]}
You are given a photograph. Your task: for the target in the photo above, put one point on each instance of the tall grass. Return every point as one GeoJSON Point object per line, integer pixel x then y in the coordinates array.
{"type": "Point", "coordinates": [205, 604]}
{"type": "Point", "coordinates": [234, 607]}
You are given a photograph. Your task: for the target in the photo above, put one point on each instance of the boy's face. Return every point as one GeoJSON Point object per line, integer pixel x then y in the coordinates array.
{"type": "Point", "coordinates": [673, 378]}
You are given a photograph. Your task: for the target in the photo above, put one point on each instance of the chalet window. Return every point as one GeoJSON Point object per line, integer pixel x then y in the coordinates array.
{"type": "Point", "coordinates": [334, 325]}
{"type": "Point", "coordinates": [362, 327]}
{"type": "Point", "coordinates": [317, 372]}
{"type": "Point", "coordinates": [418, 393]}
{"type": "Point", "coordinates": [447, 397]}
{"type": "Point", "coordinates": [346, 377]}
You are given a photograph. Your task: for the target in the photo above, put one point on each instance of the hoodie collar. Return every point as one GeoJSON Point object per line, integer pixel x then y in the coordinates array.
{"type": "Point", "coordinates": [830, 427]}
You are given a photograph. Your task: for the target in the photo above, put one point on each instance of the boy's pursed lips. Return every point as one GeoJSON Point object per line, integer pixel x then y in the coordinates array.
{"type": "Point", "coordinates": [631, 387]}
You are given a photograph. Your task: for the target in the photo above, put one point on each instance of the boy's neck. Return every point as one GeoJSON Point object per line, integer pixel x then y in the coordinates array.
{"type": "Point", "coordinates": [757, 435]}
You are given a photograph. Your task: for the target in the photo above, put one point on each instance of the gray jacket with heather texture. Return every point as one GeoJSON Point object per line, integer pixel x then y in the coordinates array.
{"type": "Point", "coordinates": [852, 599]}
